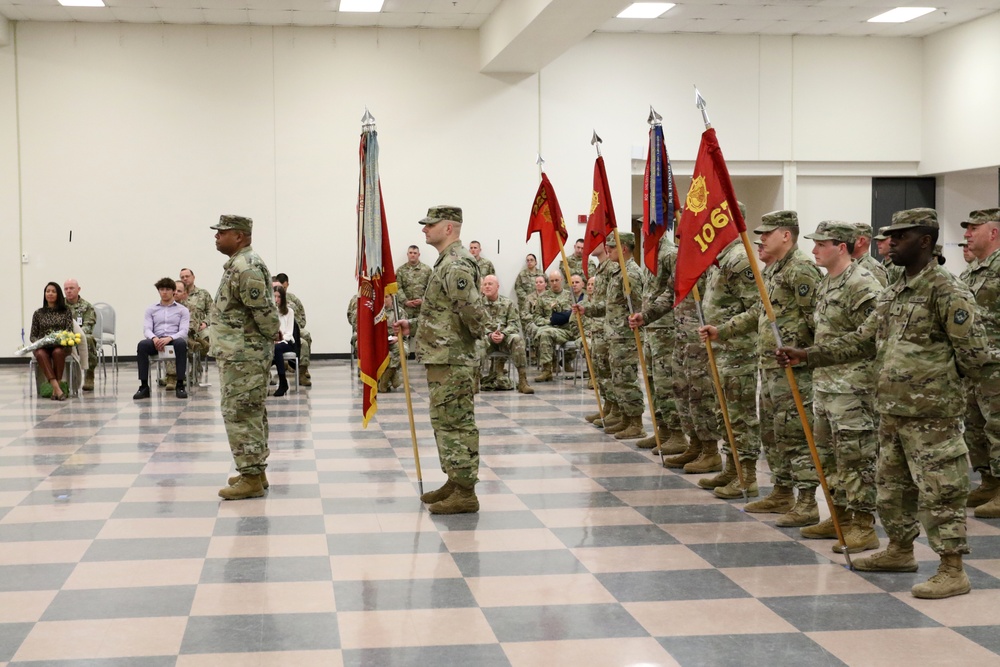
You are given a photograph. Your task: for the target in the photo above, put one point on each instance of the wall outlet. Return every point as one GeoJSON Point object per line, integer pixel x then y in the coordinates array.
{"type": "Point", "coordinates": [24, 258]}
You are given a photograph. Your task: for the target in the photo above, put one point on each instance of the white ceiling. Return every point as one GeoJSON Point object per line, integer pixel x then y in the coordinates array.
{"type": "Point", "coordinates": [768, 17]}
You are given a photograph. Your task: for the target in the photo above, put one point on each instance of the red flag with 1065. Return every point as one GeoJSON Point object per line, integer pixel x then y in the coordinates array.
{"type": "Point", "coordinates": [547, 219]}
{"type": "Point", "coordinates": [602, 220]}
{"type": "Point", "coordinates": [711, 217]}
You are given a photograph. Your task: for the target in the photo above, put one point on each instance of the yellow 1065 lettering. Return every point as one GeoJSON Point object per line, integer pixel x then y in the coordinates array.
{"type": "Point", "coordinates": [717, 220]}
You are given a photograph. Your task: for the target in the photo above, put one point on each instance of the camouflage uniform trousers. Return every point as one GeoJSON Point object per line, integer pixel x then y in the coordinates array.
{"type": "Point", "coordinates": [512, 345]}
{"type": "Point", "coordinates": [982, 434]}
{"type": "Point", "coordinates": [697, 404]}
{"type": "Point", "coordinates": [623, 357]}
{"type": "Point", "coordinates": [197, 343]}
{"type": "Point", "coordinates": [602, 368]}
{"type": "Point", "coordinates": [549, 338]}
{"type": "Point", "coordinates": [781, 435]}
{"type": "Point", "coordinates": [659, 348]}
{"type": "Point", "coordinates": [305, 345]}
{"type": "Point", "coordinates": [740, 392]}
{"type": "Point", "coordinates": [453, 418]}
{"type": "Point", "coordinates": [91, 353]}
{"type": "Point", "coordinates": [923, 474]}
{"type": "Point", "coordinates": [846, 440]}
{"type": "Point", "coordinates": [244, 389]}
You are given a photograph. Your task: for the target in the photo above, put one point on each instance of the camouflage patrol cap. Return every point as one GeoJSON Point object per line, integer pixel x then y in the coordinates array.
{"type": "Point", "coordinates": [743, 209]}
{"type": "Point", "coordinates": [862, 229]}
{"type": "Point", "coordinates": [628, 240]}
{"type": "Point", "coordinates": [436, 214]}
{"type": "Point", "coordinates": [833, 230]}
{"type": "Point", "coordinates": [913, 217]}
{"type": "Point", "coordinates": [982, 215]}
{"type": "Point", "coordinates": [237, 222]}
{"type": "Point", "coordinates": [775, 219]}
{"type": "Point", "coordinates": [880, 236]}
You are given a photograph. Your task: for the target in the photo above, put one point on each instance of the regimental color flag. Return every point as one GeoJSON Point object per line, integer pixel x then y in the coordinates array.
{"type": "Point", "coordinates": [602, 221]}
{"type": "Point", "coordinates": [659, 197]}
{"type": "Point", "coordinates": [711, 218]}
{"type": "Point", "coordinates": [547, 219]}
{"type": "Point", "coordinates": [376, 277]}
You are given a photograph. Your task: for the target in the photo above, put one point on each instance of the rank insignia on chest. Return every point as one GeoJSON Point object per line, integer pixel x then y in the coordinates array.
{"type": "Point", "coordinates": [961, 316]}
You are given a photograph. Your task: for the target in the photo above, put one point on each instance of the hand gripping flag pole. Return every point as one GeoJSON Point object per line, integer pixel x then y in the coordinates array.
{"type": "Point", "coordinates": [789, 374]}
{"type": "Point", "coordinates": [547, 219]}
{"type": "Point", "coordinates": [627, 288]}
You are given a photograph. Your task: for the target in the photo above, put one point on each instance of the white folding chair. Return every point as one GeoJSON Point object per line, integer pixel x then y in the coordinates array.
{"type": "Point", "coordinates": [104, 334]}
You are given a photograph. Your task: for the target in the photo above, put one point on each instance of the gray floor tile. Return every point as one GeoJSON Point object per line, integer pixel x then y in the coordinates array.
{"type": "Point", "coordinates": [120, 603]}
{"type": "Point", "coordinates": [144, 661]}
{"type": "Point", "coordinates": [984, 635]}
{"type": "Point", "coordinates": [74, 496]}
{"type": "Point", "coordinates": [670, 585]}
{"type": "Point", "coordinates": [773, 650]}
{"type": "Point", "coordinates": [371, 505]}
{"type": "Point", "coordinates": [508, 563]}
{"type": "Point", "coordinates": [11, 636]}
{"type": "Point", "coordinates": [593, 458]}
{"type": "Point", "coordinates": [548, 501]}
{"type": "Point", "coordinates": [357, 477]}
{"type": "Point", "coordinates": [555, 622]}
{"type": "Point", "coordinates": [753, 554]}
{"type": "Point", "coordinates": [269, 525]}
{"type": "Point", "coordinates": [187, 509]}
{"type": "Point", "coordinates": [385, 543]}
{"type": "Point", "coordinates": [613, 536]}
{"type": "Point", "coordinates": [714, 513]}
{"type": "Point", "coordinates": [486, 520]}
{"type": "Point", "coordinates": [404, 594]}
{"type": "Point", "coordinates": [644, 482]}
{"type": "Point", "coordinates": [257, 633]}
{"type": "Point", "coordinates": [480, 655]}
{"type": "Point", "coordinates": [35, 577]}
{"type": "Point", "coordinates": [538, 472]}
{"type": "Point", "coordinates": [147, 548]}
{"type": "Point", "coordinates": [848, 612]}
{"type": "Point", "coordinates": [239, 570]}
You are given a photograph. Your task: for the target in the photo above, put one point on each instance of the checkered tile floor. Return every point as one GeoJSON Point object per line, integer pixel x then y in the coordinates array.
{"type": "Point", "coordinates": [115, 549]}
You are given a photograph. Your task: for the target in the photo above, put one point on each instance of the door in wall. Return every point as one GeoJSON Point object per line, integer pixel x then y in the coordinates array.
{"type": "Point", "coordinates": [898, 194]}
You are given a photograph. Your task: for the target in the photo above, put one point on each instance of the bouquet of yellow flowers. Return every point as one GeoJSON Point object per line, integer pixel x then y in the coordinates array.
{"type": "Point", "coordinates": [62, 338]}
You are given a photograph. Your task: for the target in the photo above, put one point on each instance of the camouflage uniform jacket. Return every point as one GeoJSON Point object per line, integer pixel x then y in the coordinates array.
{"type": "Point", "coordinates": [412, 280]}
{"type": "Point", "coordinates": [502, 316]}
{"type": "Point", "coordinates": [83, 314]}
{"type": "Point", "coordinates": [245, 319]}
{"type": "Point", "coordinates": [548, 303]}
{"type": "Point", "coordinates": [595, 304]}
{"type": "Point", "coordinates": [614, 307]}
{"type": "Point", "coordinates": [924, 334]}
{"type": "Point", "coordinates": [485, 267]}
{"type": "Point", "coordinates": [731, 289]}
{"type": "Point", "coordinates": [893, 272]}
{"type": "Point", "coordinates": [791, 284]}
{"type": "Point", "coordinates": [874, 267]}
{"type": "Point", "coordinates": [452, 317]}
{"type": "Point", "coordinates": [300, 310]}
{"type": "Point", "coordinates": [199, 302]}
{"type": "Point", "coordinates": [686, 318]}
{"type": "Point", "coordinates": [843, 303]}
{"type": "Point", "coordinates": [576, 267]}
{"type": "Point", "coordinates": [658, 297]}
{"type": "Point", "coordinates": [524, 285]}
{"type": "Point", "coordinates": [983, 279]}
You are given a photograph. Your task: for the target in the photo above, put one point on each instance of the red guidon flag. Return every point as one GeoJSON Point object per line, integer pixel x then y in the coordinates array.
{"type": "Point", "coordinates": [602, 214]}
{"type": "Point", "coordinates": [376, 277]}
{"type": "Point", "coordinates": [547, 219]}
{"type": "Point", "coordinates": [711, 217]}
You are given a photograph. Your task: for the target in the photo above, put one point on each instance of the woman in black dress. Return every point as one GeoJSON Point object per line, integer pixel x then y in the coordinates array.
{"type": "Point", "coordinates": [53, 316]}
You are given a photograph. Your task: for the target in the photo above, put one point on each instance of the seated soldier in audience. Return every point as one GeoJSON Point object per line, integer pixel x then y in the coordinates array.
{"type": "Point", "coordinates": [552, 318]}
{"type": "Point", "coordinates": [305, 338]}
{"type": "Point", "coordinates": [85, 316]}
{"type": "Point", "coordinates": [527, 308]}
{"type": "Point", "coordinates": [504, 334]}
{"type": "Point", "coordinates": [166, 323]}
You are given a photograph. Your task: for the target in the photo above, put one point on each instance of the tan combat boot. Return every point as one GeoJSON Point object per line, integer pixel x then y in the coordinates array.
{"type": "Point", "coordinates": [861, 536]}
{"type": "Point", "coordinates": [896, 558]}
{"type": "Point", "coordinates": [304, 378]}
{"type": "Point", "coordinates": [780, 500]}
{"type": "Point", "coordinates": [986, 491]}
{"type": "Point", "coordinates": [803, 513]}
{"type": "Point", "coordinates": [171, 383]}
{"type": "Point", "coordinates": [611, 414]}
{"type": "Point", "coordinates": [618, 425]}
{"type": "Point", "coordinates": [546, 375]}
{"type": "Point", "coordinates": [88, 380]}
{"type": "Point", "coordinates": [247, 486]}
{"type": "Point", "coordinates": [727, 475]}
{"type": "Point", "coordinates": [672, 442]}
{"type": "Point", "coordinates": [633, 429]}
{"type": "Point", "coordinates": [708, 459]}
{"type": "Point", "coordinates": [650, 442]}
{"type": "Point", "coordinates": [594, 416]}
{"type": "Point", "coordinates": [263, 479]}
{"type": "Point", "coordinates": [690, 453]}
{"type": "Point", "coordinates": [462, 501]}
{"type": "Point", "coordinates": [824, 530]}
{"type": "Point", "coordinates": [438, 495]}
{"type": "Point", "coordinates": [522, 382]}
{"type": "Point", "coordinates": [949, 581]}
{"type": "Point", "coordinates": [989, 509]}
{"type": "Point", "coordinates": [734, 490]}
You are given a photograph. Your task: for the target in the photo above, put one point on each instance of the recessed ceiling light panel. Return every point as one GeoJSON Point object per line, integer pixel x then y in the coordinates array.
{"type": "Point", "coordinates": [81, 3]}
{"type": "Point", "coordinates": [645, 10]}
{"type": "Point", "coordinates": [361, 5]}
{"type": "Point", "coordinates": [901, 14]}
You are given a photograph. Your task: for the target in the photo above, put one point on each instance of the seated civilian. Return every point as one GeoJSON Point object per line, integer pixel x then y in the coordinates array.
{"type": "Point", "coordinates": [166, 323]}
{"type": "Point", "coordinates": [53, 316]}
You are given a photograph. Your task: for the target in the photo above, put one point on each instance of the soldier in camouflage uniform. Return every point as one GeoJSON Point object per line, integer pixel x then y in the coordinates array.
{"type": "Point", "coordinates": [412, 277]}
{"type": "Point", "coordinates": [195, 344]}
{"type": "Point", "coordinates": [982, 276]}
{"type": "Point", "coordinates": [504, 335]}
{"type": "Point", "coordinates": [452, 319]}
{"type": "Point", "coordinates": [305, 338]}
{"type": "Point", "coordinates": [893, 273]}
{"type": "Point", "coordinates": [657, 317]}
{"type": "Point", "coordinates": [924, 335]}
{"type": "Point", "coordinates": [552, 323]}
{"type": "Point", "coordinates": [791, 282]}
{"type": "Point", "coordinates": [244, 325]}
{"type": "Point", "coordinates": [527, 309]}
{"type": "Point", "coordinates": [623, 356]}
{"type": "Point", "coordinates": [86, 317]}
{"type": "Point", "coordinates": [844, 420]}
{"type": "Point", "coordinates": [599, 340]}
{"type": "Point", "coordinates": [575, 262]}
{"type": "Point", "coordinates": [863, 256]}
{"type": "Point", "coordinates": [731, 289]}
{"type": "Point", "coordinates": [524, 284]}
{"type": "Point", "coordinates": [485, 266]}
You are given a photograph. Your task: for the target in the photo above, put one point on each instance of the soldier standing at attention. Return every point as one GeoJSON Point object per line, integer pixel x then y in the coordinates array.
{"type": "Point", "coordinates": [863, 256]}
{"type": "Point", "coordinates": [451, 319]}
{"type": "Point", "coordinates": [924, 335]}
{"type": "Point", "coordinates": [412, 277]}
{"type": "Point", "coordinates": [982, 276]}
{"type": "Point", "coordinates": [524, 284]}
{"type": "Point", "coordinates": [244, 324]}
{"type": "Point", "coordinates": [485, 265]}
{"type": "Point", "coordinates": [844, 396]}
{"type": "Point", "coordinates": [85, 316]}
{"type": "Point", "coordinates": [575, 261]}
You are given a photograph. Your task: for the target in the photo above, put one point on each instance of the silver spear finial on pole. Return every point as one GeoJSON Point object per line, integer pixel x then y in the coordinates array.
{"type": "Point", "coordinates": [538, 160]}
{"type": "Point", "coordinates": [367, 121]}
{"type": "Point", "coordinates": [699, 102]}
{"type": "Point", "coordinates": [596, 141]}
{"type": "Point", "coordinates": [654, 118]}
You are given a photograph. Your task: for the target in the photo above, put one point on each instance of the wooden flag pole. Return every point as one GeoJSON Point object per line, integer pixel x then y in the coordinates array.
{"type": "Point", "coordinates": [409, 400]}
{"type": "Point", "coordinates": [583, 339]}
